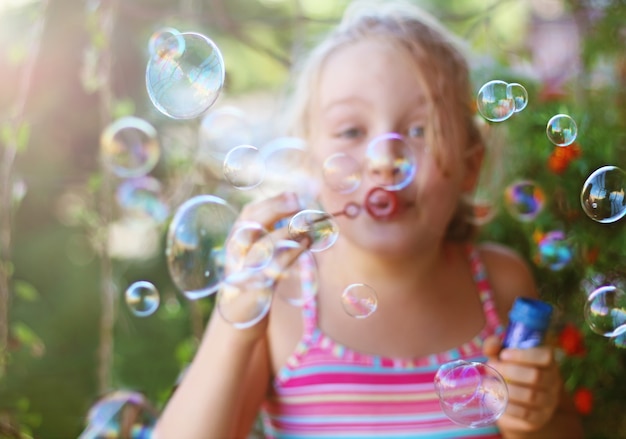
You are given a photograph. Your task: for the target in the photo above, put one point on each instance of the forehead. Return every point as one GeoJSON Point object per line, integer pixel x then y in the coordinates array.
{"type": "Point", "coordinates": [370, 69]}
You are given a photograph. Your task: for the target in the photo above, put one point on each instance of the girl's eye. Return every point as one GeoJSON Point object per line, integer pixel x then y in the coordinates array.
{"type": "Point", "coordinates": [350, 133]}
{"type": "Point", "coordinates": [416, 131]}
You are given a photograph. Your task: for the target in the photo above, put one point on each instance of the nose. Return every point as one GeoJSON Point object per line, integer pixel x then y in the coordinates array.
{"type": "Point", "coordinates": [390, 162]}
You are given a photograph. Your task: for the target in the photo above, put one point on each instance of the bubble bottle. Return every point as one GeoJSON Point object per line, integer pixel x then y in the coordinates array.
{"type": "Point", "coordinates": [529, 320]}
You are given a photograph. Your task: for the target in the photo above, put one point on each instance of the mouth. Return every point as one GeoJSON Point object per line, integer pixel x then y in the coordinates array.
{"type": "Point", "coordinates": [381, 204]}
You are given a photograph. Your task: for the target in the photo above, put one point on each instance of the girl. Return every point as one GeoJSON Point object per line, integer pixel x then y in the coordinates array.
{"type": "Point", "coordinates": [316, 371]}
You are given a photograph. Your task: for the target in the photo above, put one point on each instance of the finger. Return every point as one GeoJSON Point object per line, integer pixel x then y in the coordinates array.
{"type": "Point", "coordinates": [527, 375]}
{"type": "Point", "coordinates": [269, 211]}
{"type": "Point", "coordinates": [539, 356]}
{"type": "Point", "coordinates": [492, 346]}
{"type": "Point", "coordinates": [533, 396]}
{"type": "Point", "coordinates": [532, 417]}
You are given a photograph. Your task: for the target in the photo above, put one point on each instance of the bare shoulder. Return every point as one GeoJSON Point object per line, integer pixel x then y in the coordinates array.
{"type": "Point", "coordinates": [509, 275]}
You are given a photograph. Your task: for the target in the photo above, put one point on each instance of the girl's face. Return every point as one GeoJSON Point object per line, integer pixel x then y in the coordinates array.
{"type": "Point", "coordinates": [367, 89]}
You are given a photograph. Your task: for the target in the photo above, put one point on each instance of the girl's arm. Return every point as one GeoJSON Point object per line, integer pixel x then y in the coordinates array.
{"type": "Point", "coordinates": [222, 390]}
{"type": "Point", "coordinates": [539, 407]}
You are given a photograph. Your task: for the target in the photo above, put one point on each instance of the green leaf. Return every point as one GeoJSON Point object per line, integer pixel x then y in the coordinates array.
{"type": "Point", "coordinates": [25, 291]}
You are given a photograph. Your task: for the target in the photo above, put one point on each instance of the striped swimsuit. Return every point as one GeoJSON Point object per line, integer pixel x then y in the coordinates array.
{"type": "Point", "coordinates": [327, 390]}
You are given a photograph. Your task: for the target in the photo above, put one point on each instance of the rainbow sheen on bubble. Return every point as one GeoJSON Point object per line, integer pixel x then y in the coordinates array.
{"type": "Point", "coordinates": [496, 101]}
{"type": "Point", "coordinates": [195, 246]}
{"type": "Point", "coordinates": [390, 162]}
{"type": "Point", "coordinates": [524, 200]}
{"type": "Point", "coordinates": [244, 167]}
{"type": "Point", "coordinates": [605, 311]}
{"type": "Point", "coordinates": [166, 40]}
{"type": "Point", "coordinates": [561, 130]}
{"type": "Point", "coordinates": [554, 250]}
{"type": "Point", "coordinates": [603, 195]}
{"type": "Point", "coordinates": [359, 300]}
{"type": "Point", "coordinates": [183, 84]}
{"type": "Point", "coordinates": [129, 147]}
{"type": "Point", "coordinates": [316, 226]}
{"type": "Point", "coordinates": [142, 298]}
{"type": "Point", "coordinates": [342, 173]}
{"type": "Point", "coordinates": [142, 196]}
{"type": "Point", "coordinates": [121, 414]}
{"type": "Point", "coordinates": [470, 393]}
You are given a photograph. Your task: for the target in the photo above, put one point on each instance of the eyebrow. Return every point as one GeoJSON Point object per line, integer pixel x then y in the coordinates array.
{"type": "Point", "coordinates": [343, 101]}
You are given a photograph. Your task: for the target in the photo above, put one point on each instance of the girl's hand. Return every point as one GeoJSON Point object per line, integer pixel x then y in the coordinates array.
{"type": "Point", "coordinates": [247, 289]}
{"type": "Point", "coordinates": [534, 383]}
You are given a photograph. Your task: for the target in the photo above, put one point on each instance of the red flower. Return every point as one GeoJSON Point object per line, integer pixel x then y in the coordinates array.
{"type": "Point", "coordinates": [583, 400]}
{"type": "Point", "coordinates": [571, 340]}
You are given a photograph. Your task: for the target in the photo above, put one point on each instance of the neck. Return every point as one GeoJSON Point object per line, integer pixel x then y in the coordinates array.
{"type": "Point", "coordinates": [347, 264]}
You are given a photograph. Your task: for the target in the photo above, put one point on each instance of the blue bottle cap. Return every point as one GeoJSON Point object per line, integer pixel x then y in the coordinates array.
{"type": "Point", "coordinates": [531, 312]}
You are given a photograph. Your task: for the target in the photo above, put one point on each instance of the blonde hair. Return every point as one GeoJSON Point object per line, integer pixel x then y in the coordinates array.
{"type": "Point", "coordinates": [442, 69]}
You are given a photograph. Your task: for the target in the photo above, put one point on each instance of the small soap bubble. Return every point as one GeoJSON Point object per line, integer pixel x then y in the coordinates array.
{"type": "Point", "coordinates": [142, 298]}
{"type": "Point", "coordinates": [342, 173]}
{"type": "Point", "coordinates": [121, 414]}
{"type": "Point", "coordinates": [605, 311]}
{"type": "Point", "coordinates": [245, 297]}
{"type": "Point", "coordinates": [561, 130]}
{"type": "Point", "coordinates": [524, 200]}
{"type": "Point", "coordinates": [317, 226]}
{"type": "Point", "coordinates": [221, 130]}
{"type": "Point", "coordinates": [142, 196]}
{"type": "Point", "coordinates": [129, 147]}
{"type": "Point", "coordinates": [249, 246]}
{"type": "Point", "coordinates": [183, 84]}
{"type": "Point", "coordinates": [390, 162]}
{"type": "Point", "coordinates": [603, 195]}
{"type": "Point", "coordinates": [287, 166]}
{"type": "Point", "coordinates": [244, 167]}
{"type": "Point", "coordinates": [359, 300]}
{"type": "Point", "coordinates": [471, 393]}
{"type": "Point", "coordinates": [496, 101]}
{"type": "Point", "coordinates": [195, 246]}
{"type": "Point", "coordinates": [518, 93]}
{"type": "Point", "coordinates": [554, 250]}
{"type": "Point", "coordinates": [166, 41]}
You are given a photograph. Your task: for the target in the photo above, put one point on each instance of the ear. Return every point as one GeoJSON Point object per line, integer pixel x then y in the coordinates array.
{"type": "Point", "coordinates": [473, 164]}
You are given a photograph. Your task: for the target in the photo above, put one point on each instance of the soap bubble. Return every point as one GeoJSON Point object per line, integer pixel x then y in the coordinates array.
{"type": "Point", "coordinates": [495, 101]}
{"type": "Point", "coordinates": [605, 311]}
{"type": "Point", "coordinates": [249, 246]}
{"type": "Point", "coordinates": [183, 84]}
{"type": "Point", "coordinates": [220, 131]}
{"type": "Point", "coordinates": [164, 41]}
{"type": "Point", "coordinates": [142, 298]}
{"type": "Point", "coordinates": [518, 93]}
{"type": "Point", "coordinates": [245, 297]}
{"type": "Point", "coordinates": [359, 300]}
{"type": "Point", "coordinates": [524, 200]}
{"type": "Point", "coordinates": [142, 196]}
{"type": "Point", "coordinates": [195, 247]}
{"type": "Point", "coordinates": [390, 162]}
{"type": "Point", "coordinates": [244, 167]}
{"type": "Point", "coordinates": [129, 147]}
{"type": "Point", "coordinates": [316, 225]}
{"type": "Point", "coordinates": [602, 195]}
{"type": "Point", "coordinates": [554, 250]}
{"type": "Point", "coordinates": [121, 414]}
{"type": "Point", "coordinates": [342, 173]}
{"type": "Point", "coordinates": [472, 394]}
{"type": "Point", "coordinates": [561, 130]}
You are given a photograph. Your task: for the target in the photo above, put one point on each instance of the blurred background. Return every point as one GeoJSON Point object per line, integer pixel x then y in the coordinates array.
{"type": "Point", "coordinates": [69, 248]}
